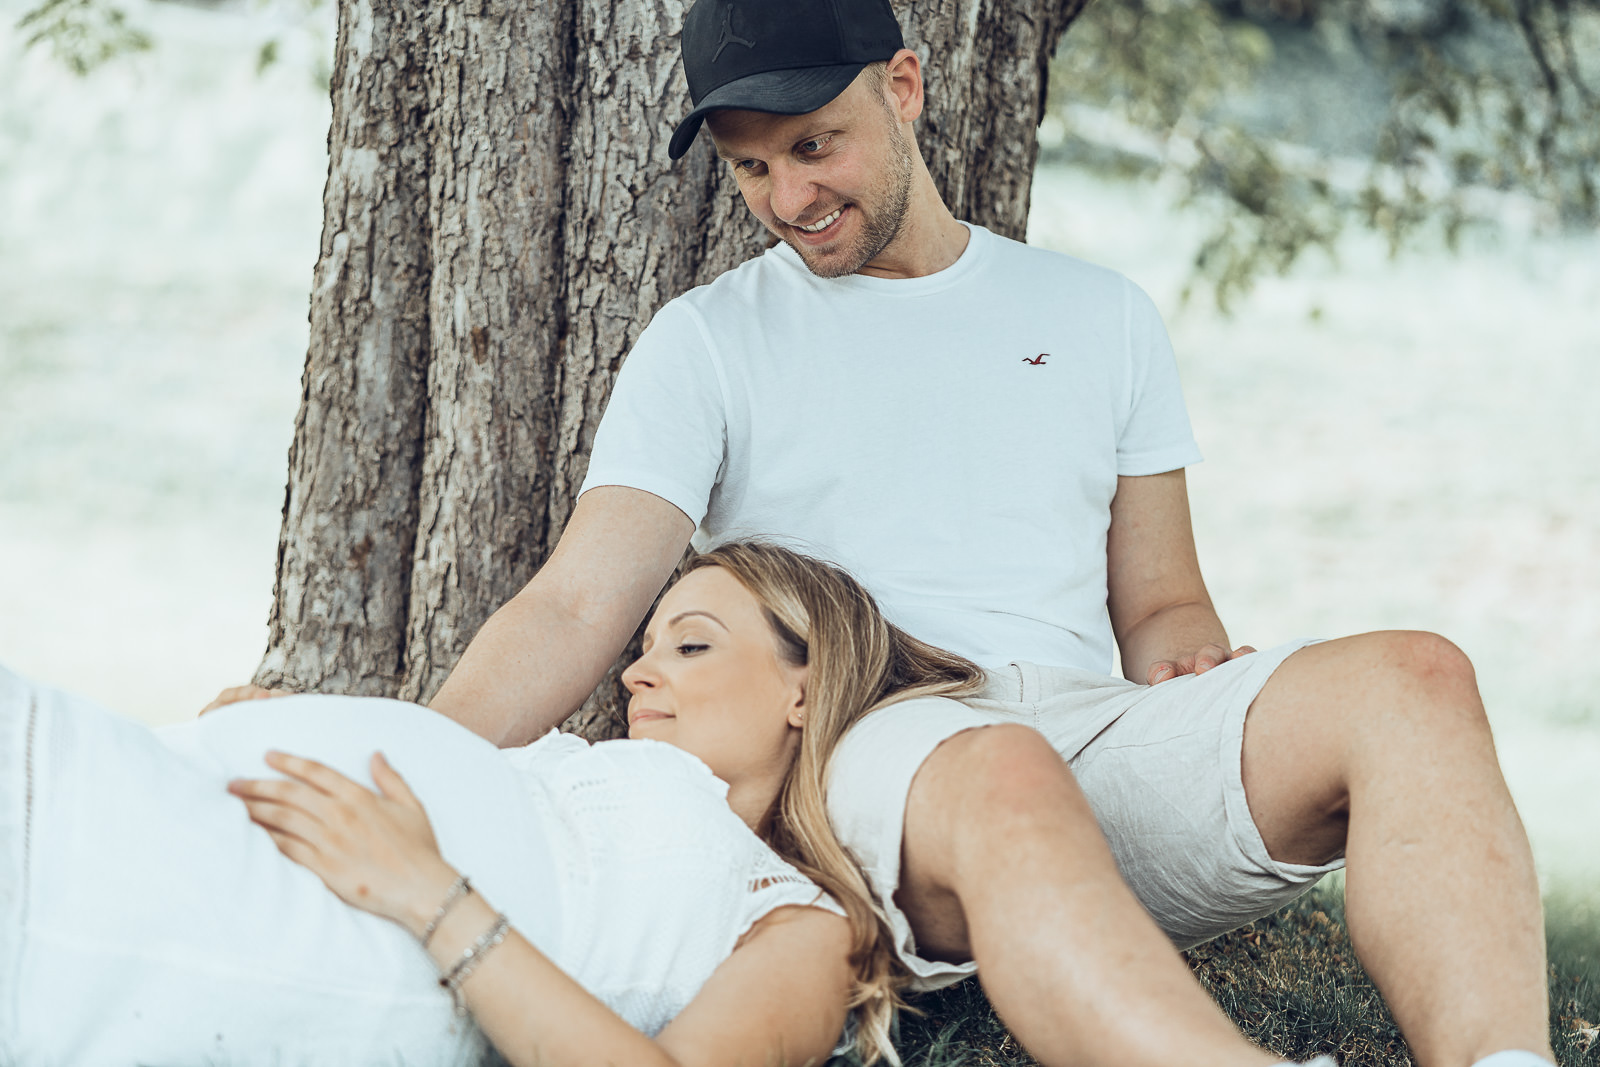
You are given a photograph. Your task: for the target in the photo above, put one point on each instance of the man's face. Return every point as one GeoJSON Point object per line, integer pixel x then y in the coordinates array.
{"type": "Point", "coordinates": [834, 184]}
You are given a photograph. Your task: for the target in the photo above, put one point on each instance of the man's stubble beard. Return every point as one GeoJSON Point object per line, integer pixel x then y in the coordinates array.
{"type": "Point", "coordinates": [879, 227]}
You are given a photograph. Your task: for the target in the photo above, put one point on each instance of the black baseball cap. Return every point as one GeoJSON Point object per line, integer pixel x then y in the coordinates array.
{"type": "Point", "coordinates": [785, 57]}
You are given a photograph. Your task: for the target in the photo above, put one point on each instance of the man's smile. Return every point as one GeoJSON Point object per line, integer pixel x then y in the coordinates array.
{"type": "Point", "coordinates": [823, 227]}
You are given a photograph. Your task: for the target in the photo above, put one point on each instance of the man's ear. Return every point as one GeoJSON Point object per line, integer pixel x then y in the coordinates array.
{"type": "Point", "coordinates": [904, 80]}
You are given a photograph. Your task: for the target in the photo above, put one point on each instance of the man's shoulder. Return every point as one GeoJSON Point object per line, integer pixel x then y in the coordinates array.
{"type": "Point", "coordinates": [743, 284]}
{"type": "Point", "coordinates": [1046, 266]}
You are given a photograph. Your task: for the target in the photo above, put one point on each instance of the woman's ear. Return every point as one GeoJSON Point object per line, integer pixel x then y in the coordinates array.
{"type": "Point", "coordinates": [797, 710]}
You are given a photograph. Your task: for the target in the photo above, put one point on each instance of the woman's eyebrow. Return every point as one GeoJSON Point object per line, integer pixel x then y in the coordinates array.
{"type": "Point", "coordinates": [685, 614]}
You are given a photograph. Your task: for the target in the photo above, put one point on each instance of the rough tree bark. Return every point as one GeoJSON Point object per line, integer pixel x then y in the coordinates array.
{"type": "Point", "coordinates": [500, 222]}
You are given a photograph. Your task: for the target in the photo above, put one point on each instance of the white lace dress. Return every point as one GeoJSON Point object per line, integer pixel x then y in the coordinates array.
{"type": "Point", "coordinates": [643, 840]}
{"type": "Point", "coordinates": [143, 919]}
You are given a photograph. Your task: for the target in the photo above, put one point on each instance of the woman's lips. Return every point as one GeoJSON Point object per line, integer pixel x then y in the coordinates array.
{"type": "Point", "coordinates": [647, 714]}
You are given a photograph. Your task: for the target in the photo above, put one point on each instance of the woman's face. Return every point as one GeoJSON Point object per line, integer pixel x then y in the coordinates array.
{"type": "Point", "coordinates": [712, 682]}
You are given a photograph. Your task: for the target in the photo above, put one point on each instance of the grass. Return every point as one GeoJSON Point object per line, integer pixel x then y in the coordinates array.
{"type": "Point", "coordinates": [1292, 983]}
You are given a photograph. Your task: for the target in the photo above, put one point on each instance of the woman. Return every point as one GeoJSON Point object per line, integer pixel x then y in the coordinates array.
{"type": "Point", "coordinates": [624, 905]}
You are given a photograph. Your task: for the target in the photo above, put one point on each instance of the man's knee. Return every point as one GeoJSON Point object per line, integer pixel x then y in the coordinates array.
{"type": "Point", "coordinates": [1390, 683]}
{"type": "Point", "coordinates": [1423, 657]}
{"type": "Point", "coordinates": [1345, 711]}
{"type": "Point", "coordinates": [1423, 687]}
{"type": "Point", "coordinates": [990, 791]}
{"type": "Point", "coordinates": [990, 808]}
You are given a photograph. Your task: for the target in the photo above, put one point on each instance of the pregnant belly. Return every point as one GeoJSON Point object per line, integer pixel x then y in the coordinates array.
{"type": "Point", "coordinates": [163, 926]}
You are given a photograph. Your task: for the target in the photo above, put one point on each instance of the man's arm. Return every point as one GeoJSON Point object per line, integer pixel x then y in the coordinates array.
{"type": "Point", "coordinates": [1160, 610]}
{"type": "Point", "coordinates": [537, 658]}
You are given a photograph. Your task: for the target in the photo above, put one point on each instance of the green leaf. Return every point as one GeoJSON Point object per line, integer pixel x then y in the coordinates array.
{"type": "Point", "coordinates": [82, 34]}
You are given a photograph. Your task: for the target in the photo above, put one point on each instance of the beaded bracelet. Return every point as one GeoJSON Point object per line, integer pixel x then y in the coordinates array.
{"type": "Point", "coordinates": [461, 888]}
{"type": "Point", "coordinates": [457, 974]}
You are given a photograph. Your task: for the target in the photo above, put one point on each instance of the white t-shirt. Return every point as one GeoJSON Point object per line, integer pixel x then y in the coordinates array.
{"type": "Point", "coordinates": [953, 440]}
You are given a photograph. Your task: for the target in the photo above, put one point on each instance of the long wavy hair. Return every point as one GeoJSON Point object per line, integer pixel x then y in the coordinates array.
{"type": "Point", "coordinates": [823, 619]}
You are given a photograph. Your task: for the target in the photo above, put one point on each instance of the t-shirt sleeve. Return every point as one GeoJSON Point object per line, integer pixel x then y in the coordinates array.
{"type": "Point", "coordinates": [664, 429]}
{"type": "Point", "coordinates": [1154, 435]}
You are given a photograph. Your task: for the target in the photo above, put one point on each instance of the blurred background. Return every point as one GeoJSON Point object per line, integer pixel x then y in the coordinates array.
{"type": "Point", "coordinates": [1371, 226]}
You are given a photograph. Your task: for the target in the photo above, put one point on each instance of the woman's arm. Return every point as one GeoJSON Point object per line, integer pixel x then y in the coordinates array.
{"type": "Point", "coordinates": [779, 999]}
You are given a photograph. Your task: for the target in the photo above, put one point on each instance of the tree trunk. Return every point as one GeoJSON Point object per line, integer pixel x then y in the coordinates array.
{"type": "Point", "coordinates": [500, 222]}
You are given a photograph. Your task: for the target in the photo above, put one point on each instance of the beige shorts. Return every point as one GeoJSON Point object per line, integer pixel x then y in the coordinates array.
{"type": "Point", "coordinates": [1159, 765]}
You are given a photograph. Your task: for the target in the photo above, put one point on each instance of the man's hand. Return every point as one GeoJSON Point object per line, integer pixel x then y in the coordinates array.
{"type": "Point", "coordinates": [1203, 660]}
{"type": "Point", "coordinates": [1159, 606]}
{"type": "Point", "coordinates": [234, 694]}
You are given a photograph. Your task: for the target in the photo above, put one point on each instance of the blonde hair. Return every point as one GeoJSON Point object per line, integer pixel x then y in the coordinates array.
{"type": "Point", "coordinates": [858, 661]}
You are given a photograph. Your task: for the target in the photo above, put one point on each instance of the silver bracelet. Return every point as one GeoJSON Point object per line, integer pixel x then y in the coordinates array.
{"type": "Point", "coordinates": [461, 888]}
{"type": "Point", "coordinates": [457, 974]}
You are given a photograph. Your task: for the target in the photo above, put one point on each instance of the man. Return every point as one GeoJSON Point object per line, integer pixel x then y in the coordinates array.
{"type": "Point", "coordinates": [992, 438]}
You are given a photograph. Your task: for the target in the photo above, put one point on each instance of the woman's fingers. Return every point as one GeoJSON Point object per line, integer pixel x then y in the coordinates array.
{"type": "Point", "coordinates": [319, 776]}
{"type": "Point", "coordinates": [278, 790]}
{"type": "Point", "coordinates": [286, 791]}
{"type": "Point", "coordinates": [375, 850]}
{"type": "Point", "coordinates": [391, 784]}
{"type": "Point", "coordinates": [299, 834]}
{"type": "Point", "coordinates": [272, 816]}
{"type": "Point", "coordinates": [295, 848]}
{"type": "Point", "coordinates": [288, 806]}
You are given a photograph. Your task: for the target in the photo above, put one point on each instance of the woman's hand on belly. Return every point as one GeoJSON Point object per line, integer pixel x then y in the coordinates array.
{"type": "Point", "coordinates": [376, 851]}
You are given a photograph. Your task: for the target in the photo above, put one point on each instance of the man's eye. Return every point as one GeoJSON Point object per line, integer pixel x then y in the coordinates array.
{"type": "Point", "coordinates": [749, 166]}
{"type": "Point", "coordinates": [813, 146]}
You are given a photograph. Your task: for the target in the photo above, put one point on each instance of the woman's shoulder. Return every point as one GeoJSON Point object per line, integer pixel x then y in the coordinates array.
{"type": "Point", "coordinates": [656, 795]}
{"type": "Point", "coordinates": [773, 883]}
{"type": "Point", "coordinates": [569, 758]}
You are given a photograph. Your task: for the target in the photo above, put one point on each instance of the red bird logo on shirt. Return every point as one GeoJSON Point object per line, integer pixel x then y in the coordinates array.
{"type": "Point", "coordinates": [1037, 361]}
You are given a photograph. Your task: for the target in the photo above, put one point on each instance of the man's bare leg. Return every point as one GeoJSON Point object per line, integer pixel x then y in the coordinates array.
{"type": "Point", "coordinates": [1384, 736]}
{"type": "Point", "coordinates": [1003, 862]}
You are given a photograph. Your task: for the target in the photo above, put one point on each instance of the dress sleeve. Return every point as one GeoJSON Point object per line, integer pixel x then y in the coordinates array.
{"type": "Point", "coordinates": [774, 884]}
{"type": "Point", "coordinates": [665, 427]}
{"type": "Point", "coordinates": [1154, 435]}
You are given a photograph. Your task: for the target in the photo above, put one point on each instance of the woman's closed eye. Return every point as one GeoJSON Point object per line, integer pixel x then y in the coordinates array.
{"type": "Point", "coordinates": [690, 648]}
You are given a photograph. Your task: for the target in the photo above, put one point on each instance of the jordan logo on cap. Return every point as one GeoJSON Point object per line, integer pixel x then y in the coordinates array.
{"type": "Point", "coordinates": [728, 36]}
